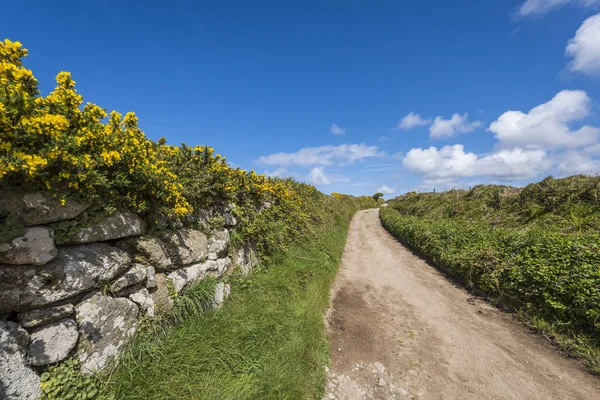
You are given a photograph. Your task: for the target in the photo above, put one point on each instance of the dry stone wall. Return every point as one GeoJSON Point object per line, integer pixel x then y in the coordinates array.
{"type": "Point", "coordinates": [82, 293]}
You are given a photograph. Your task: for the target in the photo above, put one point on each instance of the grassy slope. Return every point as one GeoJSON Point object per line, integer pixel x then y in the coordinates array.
{"type": "Point", "coordinates": [268, 342]}
{"type": "Point", "coordinates": [536, 250]}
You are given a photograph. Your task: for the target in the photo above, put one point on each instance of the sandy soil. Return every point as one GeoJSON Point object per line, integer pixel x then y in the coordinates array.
{"type": "Point", "coordinates": [399, 329]}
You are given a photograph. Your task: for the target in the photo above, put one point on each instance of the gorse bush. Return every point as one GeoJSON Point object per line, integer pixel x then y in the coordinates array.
{"type": "Point", "coordinates": [59, 144]}
{"type": "Point", "coordinates": [537, 249]}
{"type": "Point", "coordinates": [55, 143]}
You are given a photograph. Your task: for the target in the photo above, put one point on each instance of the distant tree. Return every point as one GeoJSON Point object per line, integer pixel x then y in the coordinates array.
{"type": "Point", "coordinates": [377, 196]}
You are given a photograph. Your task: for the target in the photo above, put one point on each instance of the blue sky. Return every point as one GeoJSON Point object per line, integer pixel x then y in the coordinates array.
{"type": "Point", "coordinates": [351, 95]}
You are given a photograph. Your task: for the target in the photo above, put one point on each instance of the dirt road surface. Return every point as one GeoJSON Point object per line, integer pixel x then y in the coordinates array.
{"type": "Point", "coordinates": [400, 330]}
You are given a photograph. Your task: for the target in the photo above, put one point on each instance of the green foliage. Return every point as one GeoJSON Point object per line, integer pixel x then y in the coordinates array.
{"type": "Point", "coordinates": [148, 340]}
{"type": "Point", "coordinates": [377, 196]}
{"type": "Point", "coordinates": [289, 220]}
{"type": "Point", "coordinates": [217, 222]}
{"type": "Point", "coordinates": [10, 228]}
{"type": "Point", "coordinates": [535, 250]}
{"type": "Point", "coordinates": [564, 205]}
{"type": "Point", "coordinates": [65, 381]}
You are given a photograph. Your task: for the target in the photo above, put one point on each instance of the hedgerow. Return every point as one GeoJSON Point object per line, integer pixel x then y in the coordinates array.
{"type": "Point", "coordinates": [55, 143]}
{"type": "Point", "coordinates": [544, 264]}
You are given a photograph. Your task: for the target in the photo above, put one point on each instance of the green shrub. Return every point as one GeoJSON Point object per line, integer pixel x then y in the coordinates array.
{"type": "Point", "coordinates": [65, 381]}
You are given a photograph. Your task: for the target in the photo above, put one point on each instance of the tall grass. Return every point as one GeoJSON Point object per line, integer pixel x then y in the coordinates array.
{"type": "Point", "coordinates": [267, 342]}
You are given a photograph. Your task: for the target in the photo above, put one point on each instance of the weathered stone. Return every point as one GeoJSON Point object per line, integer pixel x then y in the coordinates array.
{"type": "Point", "coordinates": [184, 277]}
{"type": "Point", "coordinates": [38, 208]}
{"type": "Point", "coordinates": [53, 343]}
{"type": "Point", "coordinates": [223, 265]}
{"type": "Point", "coordinates": [218, 244]}
{"type": "Point", "coordinates": [160, 294]}
{"type": "Point", "coordinates": [150, 278]}
{"type": "Point", "coordinates": [222, 291]}
{"type": "Point", "coordinates": [144, 301]}
{"type": "Point", "coordinates": [129, 290]}
{"type": "Point", "coordinates": [230, 220]}
{"type": "Point", "coordinates": [76, 270]}
{"type": "Point", "coordinates": [246, 258]}
{"type": "Point", "coordinates": [187, 276]}
{"type": "Point", "coordinates": [17, 380]}
{"type": "Point", "coordinates": [186, 246]}
{"type": "Point", "coordinates": [384, 205]}
{"type": "Point", "coordinates": [44, 316]}
{"type": "Point", "coordinates": [202, 217]}
{"type": "Point", "coordinates": [105, 325]}
{"type": "Point", "coordinates": [148, 251]}
{"type": "Point", "coordinates": [116, 226]}
{"type": "Point", "coordinates": [135, 275]}
{"type": "Point", "coordinates": [265, 205]}
{"type": "Point", "coordinates": [35, 247]}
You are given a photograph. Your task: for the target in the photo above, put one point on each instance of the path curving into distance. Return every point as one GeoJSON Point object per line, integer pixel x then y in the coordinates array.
{"type": "Point", "coordinates": [399, 329]}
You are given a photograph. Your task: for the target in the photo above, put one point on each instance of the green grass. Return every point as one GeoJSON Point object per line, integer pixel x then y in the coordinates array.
{"type": "Point", "coordinates": [267, 342]}
{"type": "Point", "coordinates": [535, 250]}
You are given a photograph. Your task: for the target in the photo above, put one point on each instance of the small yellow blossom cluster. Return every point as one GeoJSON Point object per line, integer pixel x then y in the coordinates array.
{"type": "Point", "coordinates": [208, 179]}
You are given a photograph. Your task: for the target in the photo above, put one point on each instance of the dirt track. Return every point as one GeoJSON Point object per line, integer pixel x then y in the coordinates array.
{"type": "Point", "coordinates": [399, 329]}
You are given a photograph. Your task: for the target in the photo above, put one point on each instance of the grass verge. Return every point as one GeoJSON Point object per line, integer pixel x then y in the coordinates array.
{"type": "Point", "coordinates": [268, 341]}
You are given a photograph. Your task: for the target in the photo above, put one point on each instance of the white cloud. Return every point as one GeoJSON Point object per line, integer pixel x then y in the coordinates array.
{"type": "Point", "coordinates": [336, 130]}
{"type": "Point", "coordinates": [324, 155]}
{"type": "Point", "coordinates": [574, 162]}
{"type": "Point", "coordinates": [539, 7]}
{"type": "Point", "coordinates": [386, 190]}
{"type": "Point", "coordinates": [451, 163]}
{"type": "Point", "coordinates": [585, 47]}
{"type": "Point", "coordinates": [278, 173]}
{"type": "Point", "coordinates": [412, 120]}
{"type": "Point", "coordinates": [448, 127]}
{"type": "Point", "coordinates": [530, 145]}
{"type": "Point", "coordinates": [546, 126]}
{"type": "Point", "coordinates": [317, 176]}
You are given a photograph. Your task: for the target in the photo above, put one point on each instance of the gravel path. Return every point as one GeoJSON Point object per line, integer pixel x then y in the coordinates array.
{"type": "Point", "coordinates": [399, 329]}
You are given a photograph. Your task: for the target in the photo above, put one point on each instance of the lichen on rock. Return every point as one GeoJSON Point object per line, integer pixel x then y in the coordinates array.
{"type": "Point", "coordinates": [105, 325]}
{"type": "Point", "coordinates": [17, 380]}
{"type": "Point", "coordinates": [76, 270]}
{"type": "Point", "coordinates": [38, 208]}
{"type": "Point", "coordinates": [52, 343]}
{"type": "Point", "coordinates": [118, 225]}
{"type": "Point", "coordinates": [44, 316]}
{"type": "Point", "coordinates": [35, 246]}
